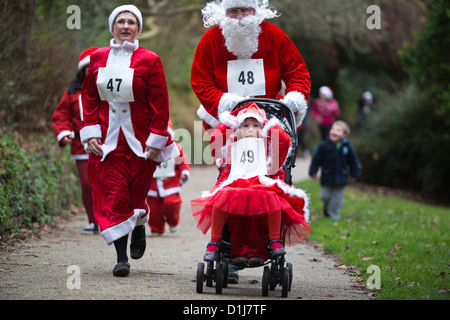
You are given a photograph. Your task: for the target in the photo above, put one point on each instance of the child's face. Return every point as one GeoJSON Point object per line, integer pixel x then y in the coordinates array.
{"type": "Point", "coordinates": [337, 134]}
{"type": "Point", "coordinates": [250, 128]}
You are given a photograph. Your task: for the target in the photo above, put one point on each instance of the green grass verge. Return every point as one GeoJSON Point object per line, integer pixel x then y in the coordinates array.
{"type": "Point", "coordinates": [408, 241]}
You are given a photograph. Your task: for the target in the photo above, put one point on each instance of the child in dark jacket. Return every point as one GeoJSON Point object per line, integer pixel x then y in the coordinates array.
{"type": "Point", "coordinates": [338, 159]}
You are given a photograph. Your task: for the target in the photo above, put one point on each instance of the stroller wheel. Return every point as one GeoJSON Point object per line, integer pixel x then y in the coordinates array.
{"type": "Point", "coordinates": [209, 274]}
{"type": "Point", "coordinates": [284, 282]}
{"type": "Point", "coordinates": [219, 278]}
{"type": "Point", "coordinates": [225, 273]}
{"type": "Point", "coordinates": [289, 266]}
{"type": "Point", "coordinates": [200, 274]}
{"type": "Point", "coordinates": [265, 281]}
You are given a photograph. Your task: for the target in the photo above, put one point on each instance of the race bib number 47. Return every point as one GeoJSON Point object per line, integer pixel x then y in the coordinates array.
{"type": "Point", "coordinates": [115, 84]}
{"type": "Point", "coordinates": [246, 77]}
{"type": "Point", "coordinates": [248, 158]}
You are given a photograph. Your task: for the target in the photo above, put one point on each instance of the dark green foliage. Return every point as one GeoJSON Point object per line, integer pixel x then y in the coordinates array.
{"type": "Point", "coordinates": [407, 143]}
{"type": "Point", "coordinates": [34, 187]}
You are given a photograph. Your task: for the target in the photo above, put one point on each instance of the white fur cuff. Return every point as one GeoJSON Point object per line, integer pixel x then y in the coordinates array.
{"type": "Point", "coordinates": [89, 132]}
{"type": "Point", "coordinates": [228, 102]}
{"type": "Point", "coordinates": [297, 103]}
{"type": "Point", "coordinates": [156, 141]}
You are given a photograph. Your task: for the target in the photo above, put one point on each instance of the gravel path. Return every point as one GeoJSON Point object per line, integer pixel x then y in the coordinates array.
{"type": "Point", "coordinates": [41, 268]}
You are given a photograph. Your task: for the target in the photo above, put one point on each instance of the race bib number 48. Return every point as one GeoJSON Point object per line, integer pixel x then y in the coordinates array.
{"type": "Point", "coordinates": [115, 84]}
{"type": "Point", "coordinates": [248, 158]}
{"type": "Point", "coordinates": [246, 77]}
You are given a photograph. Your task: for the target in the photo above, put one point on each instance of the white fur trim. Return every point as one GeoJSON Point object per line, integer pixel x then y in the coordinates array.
{"type": "Point", "coordinates": [152, 193]}
{"type": "Point", "coordinates": [167, 192]}
{"type": "Point", "coordinates": [63, 134]}
{"type": "Point", "coordinates": [207, 117]}
{"type": "Point", "coordinates": [297, 103]}
{"type": "Point", "coordinates": [246, 115]}
{"type": "Point", "coordinates": [214, 12]}
{"type": "Point", "coordinates": [269, 125]}
{"type": "Point", "coordinates": [229, 120]}
{"type": "Point", "coordinates": [187, 173]}
{"type": "Point", "coordinates": [131, 8]}
{"type": "Point", "coordinates": [228, 4]}
{"type": "Point", "coordinates": [88, 132]}
{"type": "Point", "coordinates": [79, 157]}
{"type": "Point", "coordinates": [156, 141]}
{"type": "Point", "coordinates": [85, 62]}
{"type": "Point", "coordinates": [287, 189]}
{"type": "Point", "coordinates": [139, 217]}
{"type": "Point", "coordinates": [227, 102]}
{"type": "Point", "coordinates": [169, 152]}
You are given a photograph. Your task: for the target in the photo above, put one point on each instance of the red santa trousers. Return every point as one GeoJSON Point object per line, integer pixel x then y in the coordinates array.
{"type": "Point", "coordinates": [164, 210]}
{"type": "Point", "coordinates": [119, 188]}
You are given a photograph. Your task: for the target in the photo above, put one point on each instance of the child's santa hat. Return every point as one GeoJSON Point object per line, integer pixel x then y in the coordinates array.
{"type": "Point", "coordinates": [235, 118]}
{"type": "Point", "coordinates": [85, 58]}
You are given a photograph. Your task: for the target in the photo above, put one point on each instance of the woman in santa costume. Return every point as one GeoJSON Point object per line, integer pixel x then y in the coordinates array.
{"type": "Point", "coordinates": [164, 197]}
{"type": "Point", "coordinates": [66, 122]}
{"type": "Point", "coordinates": [246, 56]}
{"type": "Point", "coordinates": [252, 199]}
{"type": "Point", "coordinates": [126, 112]}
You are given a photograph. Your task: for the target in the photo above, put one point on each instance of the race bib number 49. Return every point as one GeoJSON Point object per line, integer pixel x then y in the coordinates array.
{"type": "Point", "coordinates": [248, 158]}
{"type": "Point", "coordinates": [115, 84]}
{"type": "Point", "coordinates": [246, 77]}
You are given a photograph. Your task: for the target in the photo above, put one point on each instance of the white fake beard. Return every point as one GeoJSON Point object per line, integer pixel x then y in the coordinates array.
{"type": "Point", "coordinates": [241, 36]}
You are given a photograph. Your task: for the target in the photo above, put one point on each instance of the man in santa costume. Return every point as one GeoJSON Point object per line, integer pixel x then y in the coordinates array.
{"type": "Point", "coordinates": [164, 197]}
{"type": "Point", "coordinates": [246, 56]}
{"type": "Point", "coordinates": [126, 113]}
{"type": "Point", "coordinates": [66, 122]}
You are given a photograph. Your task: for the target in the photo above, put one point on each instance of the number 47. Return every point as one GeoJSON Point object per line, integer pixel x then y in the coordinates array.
{"type": "Point", "coordinates": [110, 84]}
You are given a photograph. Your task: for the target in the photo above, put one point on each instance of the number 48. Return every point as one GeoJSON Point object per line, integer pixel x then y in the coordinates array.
{"type": "Point", "coordinates": [250, 78]}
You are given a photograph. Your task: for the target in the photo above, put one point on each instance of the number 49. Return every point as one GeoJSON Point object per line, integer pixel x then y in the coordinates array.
{"type": "Point", "coordinates": [249, 156]}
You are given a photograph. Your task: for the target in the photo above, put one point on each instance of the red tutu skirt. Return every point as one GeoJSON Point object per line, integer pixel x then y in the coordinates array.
{"type": "Point", "coordinates": [249, 201]}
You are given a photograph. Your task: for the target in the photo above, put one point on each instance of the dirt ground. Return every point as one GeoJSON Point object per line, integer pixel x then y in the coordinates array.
{"type": "Point", "coordinates": [64, 264]}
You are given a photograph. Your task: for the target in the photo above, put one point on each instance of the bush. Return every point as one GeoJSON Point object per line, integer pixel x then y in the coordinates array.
{"type": "Point", "coordinates": [34, 186]}
{"type": "Point", "coordinates": [407, 143]}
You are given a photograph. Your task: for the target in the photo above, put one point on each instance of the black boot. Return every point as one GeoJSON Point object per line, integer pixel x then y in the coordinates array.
{"type": "Point", "coordinates": [138, 243]}
{"type": "Point", "coordinates": [233, 276]}
{"type": "Point", "coordinates": [122, 268]}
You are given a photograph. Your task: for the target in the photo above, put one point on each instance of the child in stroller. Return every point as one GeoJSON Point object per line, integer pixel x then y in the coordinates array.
{"type": "Point", "coordinates": [251, 197]}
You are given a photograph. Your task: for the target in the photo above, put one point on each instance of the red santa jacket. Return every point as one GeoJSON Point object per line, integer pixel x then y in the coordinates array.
{"type": "Point", "coordinates": [66, 121]}
{"type": "Point", "coordinates": [138, 123]}
{"type": "Point", "coordinates": [170, 185]}
{"type": "Point", "coordinates": [282, 61]}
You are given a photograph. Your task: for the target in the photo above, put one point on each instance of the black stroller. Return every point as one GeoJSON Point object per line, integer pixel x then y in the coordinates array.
{"type": "Point", "coordinates": [280, 271]}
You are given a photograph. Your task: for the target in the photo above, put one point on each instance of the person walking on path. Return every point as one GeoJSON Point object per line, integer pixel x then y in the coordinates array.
{"type": "Point", "coordinates": [164, 197]}
{"type": "Point", "coordinates": [324, 110]}
{"type": "Point", "coordinates": [337, 159]}
{"type": "Point", "coordinates": [67, 121]}
{"type": "Point", "coordinates": [126, 113]}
